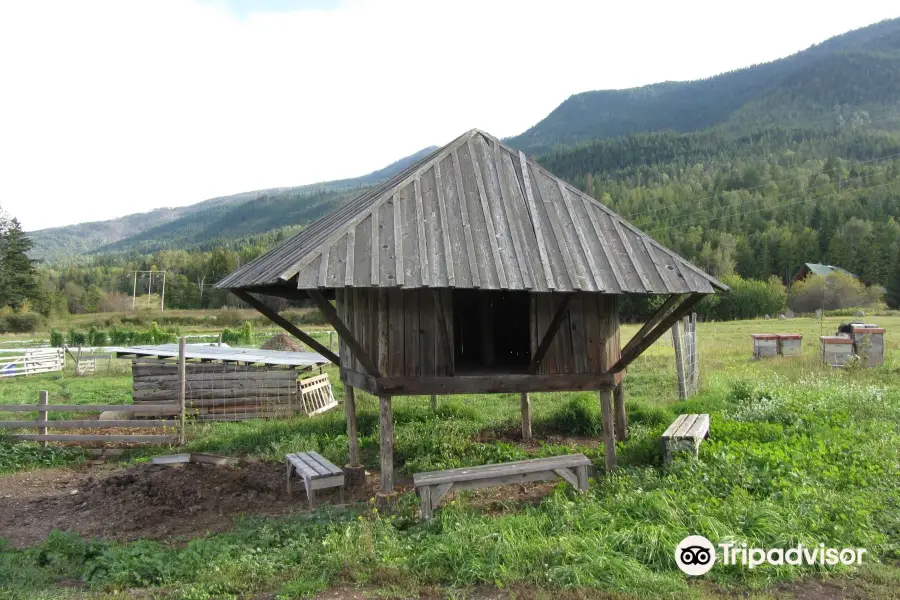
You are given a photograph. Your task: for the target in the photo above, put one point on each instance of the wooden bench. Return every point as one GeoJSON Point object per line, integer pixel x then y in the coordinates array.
{"type": "Point", "coordinates": [685, 435]}
{"type": "Point", "coordinates": [434, 485]}
{"type": "Point", "coordinates": [317, 473]}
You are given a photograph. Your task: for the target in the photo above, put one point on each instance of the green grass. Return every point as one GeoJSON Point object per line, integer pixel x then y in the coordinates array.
{"type": "Point", "coordinates": [798, 454]}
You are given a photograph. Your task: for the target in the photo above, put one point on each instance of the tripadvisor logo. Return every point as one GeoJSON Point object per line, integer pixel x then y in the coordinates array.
{"type": "Point", "coordinates": [696, 555]}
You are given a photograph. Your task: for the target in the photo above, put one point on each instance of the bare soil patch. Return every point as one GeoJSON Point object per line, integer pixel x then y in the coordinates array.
{"type": "Point", "coordinates": [149, 501]}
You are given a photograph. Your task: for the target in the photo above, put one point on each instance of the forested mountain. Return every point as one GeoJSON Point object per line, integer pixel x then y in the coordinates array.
{"type": "Point", "coordinates": [758, 205]}
{"type": "Point", "coordinates": [226, 217]}
{"type": "Point", "coordinates": [851, 78]}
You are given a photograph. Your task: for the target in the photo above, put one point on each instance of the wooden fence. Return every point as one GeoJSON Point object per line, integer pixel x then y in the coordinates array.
{"type": "Point", "coordinates": [43, 423]}
{"type": "Point", "coordinates": [38, 360]}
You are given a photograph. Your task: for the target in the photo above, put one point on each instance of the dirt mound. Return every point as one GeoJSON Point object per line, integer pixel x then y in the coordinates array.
{"type": "Point", "coordinates": [282, 342]}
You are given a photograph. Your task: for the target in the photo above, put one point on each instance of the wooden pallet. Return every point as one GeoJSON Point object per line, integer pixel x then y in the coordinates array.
{"type": "Point", "coordinates": [316, 395]}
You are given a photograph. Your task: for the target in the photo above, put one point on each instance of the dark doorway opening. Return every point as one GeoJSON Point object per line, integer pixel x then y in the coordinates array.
{"type": "Point", "coordinates": [492, 331]}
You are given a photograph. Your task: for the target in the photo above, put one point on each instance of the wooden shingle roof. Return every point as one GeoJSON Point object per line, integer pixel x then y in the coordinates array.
{"type": "Point", "coordinates": [475, 214]}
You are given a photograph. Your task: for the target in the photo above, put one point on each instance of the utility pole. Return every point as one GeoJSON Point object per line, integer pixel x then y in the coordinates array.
{"type": "Point", "coordinates": [149, 288]}
{"type": "Point", "coordinates": [162, 296]}
{"type": "Point", "coordinates": [134, 291]}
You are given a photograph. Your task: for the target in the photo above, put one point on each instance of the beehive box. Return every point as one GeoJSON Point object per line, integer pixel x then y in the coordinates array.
{"type": "Point", "coordinates": [837, 350]}
{"type": "Point", "coordinates": [764, 344]}
{"type": "Point", "coordinates": [868, 344]}
{"type": "Point", "coordinates": [789, 344]}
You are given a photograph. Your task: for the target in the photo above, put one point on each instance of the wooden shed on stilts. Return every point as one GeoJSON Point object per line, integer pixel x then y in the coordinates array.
{"type": "Point", "coordinates": [475, 271]}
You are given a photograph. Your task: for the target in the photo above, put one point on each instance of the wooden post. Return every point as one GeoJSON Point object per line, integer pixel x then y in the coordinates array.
{"type": "Point", "coordinates": [386, 493]}
{"type": "Point", "coordinates": [354, 472]}
{"type": "Point", "coordinates": [609, 429]}
{"type": "Point", "coordinates": [679, 359]}
{"type": "Point", "coordinates": [433, 402]}
{"type": "Point", "coordinates": [220, 338]}
{"type": "Point", "coordinates": [350, 409]}
{"type": "Point", "coordinates": [621, 417]}
{"type": "Point", "coordinates": [43, 400]}
{"type": "Point", "coordinates": [182, 386]}
{"type": "Point", "coordinates": [526, 417]}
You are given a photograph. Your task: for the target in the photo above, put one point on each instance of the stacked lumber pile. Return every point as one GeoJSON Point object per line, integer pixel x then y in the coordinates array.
{"type": "Point", "coordinates": [218, 391]}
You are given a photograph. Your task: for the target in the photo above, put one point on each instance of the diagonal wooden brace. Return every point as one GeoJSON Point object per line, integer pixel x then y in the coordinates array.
{"type": "Point", "coordinates": [344, 333]}
{"type": "Point", "coordinates": [286, 325]}
{"type": "Point", "coordinates": [636, 349]}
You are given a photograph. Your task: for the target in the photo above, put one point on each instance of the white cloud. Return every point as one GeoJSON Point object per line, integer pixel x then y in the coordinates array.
{"type": "Point", "coordinates": [110, 107]}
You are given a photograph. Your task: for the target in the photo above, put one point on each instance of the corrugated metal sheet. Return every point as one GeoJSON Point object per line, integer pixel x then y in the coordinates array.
{"type": "Point", "coordinates": [207, 352]}
{"type": "Point", "coordinates": [476, 214]}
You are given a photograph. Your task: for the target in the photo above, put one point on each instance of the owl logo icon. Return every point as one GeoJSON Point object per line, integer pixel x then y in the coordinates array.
{"type": "Point", "coordinates": [695, 555]}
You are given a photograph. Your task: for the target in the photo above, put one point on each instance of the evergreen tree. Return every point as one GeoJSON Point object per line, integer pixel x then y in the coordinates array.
{"type": "Point", "coordinates": [892, 297]}
{"type": "Point", "coordinates": [17, 274]}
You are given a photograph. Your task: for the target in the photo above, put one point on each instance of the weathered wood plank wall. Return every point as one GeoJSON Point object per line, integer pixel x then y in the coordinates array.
{"type": "Point", "coordinates": [419, 329]}
{"type": "Point", "coordinates": [588, 340]}
{"type": "Point", "coordinates": [216, 390]}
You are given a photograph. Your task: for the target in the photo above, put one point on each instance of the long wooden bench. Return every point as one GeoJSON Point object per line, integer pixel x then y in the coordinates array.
{"type": "Point", "coordinates": [317, 473]}
{"type": "Point", "coordinates": [685, 435]}
{"type": "Point", "coordinates": [435, 485]}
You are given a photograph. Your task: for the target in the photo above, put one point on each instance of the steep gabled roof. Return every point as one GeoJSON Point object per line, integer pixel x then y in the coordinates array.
{"type": "Point", "coordinates": [475, 214]}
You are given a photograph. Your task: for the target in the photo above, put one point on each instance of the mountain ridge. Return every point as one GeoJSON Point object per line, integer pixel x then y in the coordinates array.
{"type": "Point", "coordinates": [54, 243]}
{"type": "Point", "coordinates": [852, 69]}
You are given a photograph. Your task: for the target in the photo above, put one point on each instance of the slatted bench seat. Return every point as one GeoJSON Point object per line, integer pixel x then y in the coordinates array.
{"type": "Point", "coordinates": [317, 473]}
{"type": "Point", "coordinates": [435, 485]}
{"type": "Point", "coordinates": [685, 435]}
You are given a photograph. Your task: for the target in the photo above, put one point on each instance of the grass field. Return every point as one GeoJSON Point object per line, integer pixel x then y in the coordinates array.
{"type": "Point", "coordinates": [798, 454]}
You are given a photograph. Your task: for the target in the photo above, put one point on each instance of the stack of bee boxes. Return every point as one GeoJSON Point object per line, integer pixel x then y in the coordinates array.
{"type": "Point", "coordinates": [868, 343]}
{"type": "Point", "coordinates": [837, 350]}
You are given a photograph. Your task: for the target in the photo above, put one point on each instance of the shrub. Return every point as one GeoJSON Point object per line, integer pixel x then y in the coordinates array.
{"type": "Point", "coordinates": [242, 336]}
{"type": "Point", "coordinates": [97, 337]}
{"type": "Point", "coordinates": [120, 337]}
{"type": "Point", "coordinates": [76, 338]}
{"type": "Point", "coordinates": [25, 322]}
{"type": "Point", "coordinates": [748, 299]}
{"type": "Point", "coordinates": [57, 339]}
{"type": "Point", "coordinates": [836, 291]}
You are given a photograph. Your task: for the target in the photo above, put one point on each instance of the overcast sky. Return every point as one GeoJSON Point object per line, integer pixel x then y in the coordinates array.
{"type": "Point", "coordinates": [112, 107]}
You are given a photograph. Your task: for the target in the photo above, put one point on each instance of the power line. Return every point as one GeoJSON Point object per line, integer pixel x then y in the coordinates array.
{"type": "Point", "coordinates": [775, 182]}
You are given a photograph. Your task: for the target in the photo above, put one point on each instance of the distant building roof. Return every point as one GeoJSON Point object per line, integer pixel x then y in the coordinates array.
{"type": "Point", "coordinates": [825, 270]}
{"type": "Point", "coordinates": [820, 270]}
{"type": "Point", "coordinates": [475, 214]}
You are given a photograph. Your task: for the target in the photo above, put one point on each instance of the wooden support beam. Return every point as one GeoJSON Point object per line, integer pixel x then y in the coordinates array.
{"type": "Point", "coordinates": [352, 435]}
{"type": "Point", "coordinates": [478, 384]}
{"type": "Point", "coordinates": [286, 325]}
{"type": "Point", "coordinates": [677, 344]}
{"type": "Point", "coordinates": [658, 316]}
{"type": "Point", "coordinates": [609, 429]}
{"type": "Point", "coordinates": [526, 417]}
{"type": "Point", "coordinates": [621, 416]}
{"type": "Point", "coordinates": [544, 346]}
{"type": "Point", "coordinates": [344, 333]}
{"type": "Point", "coordinates": [387, 447]}
{"type": "Point", "coordinates": [651, 336]}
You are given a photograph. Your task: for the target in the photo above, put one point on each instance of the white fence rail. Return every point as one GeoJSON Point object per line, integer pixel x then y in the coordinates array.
{"type": "Point", "coordinates": [42, 360]}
